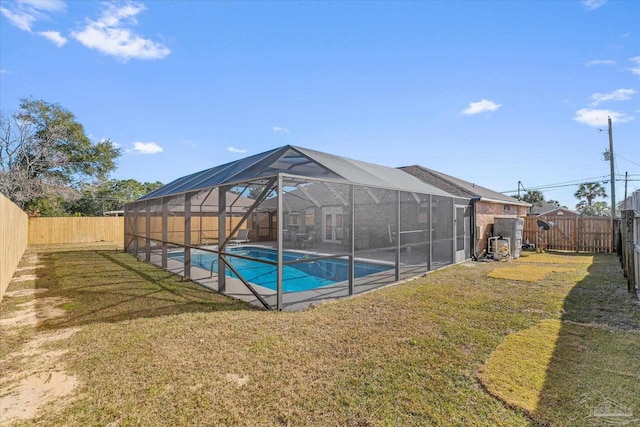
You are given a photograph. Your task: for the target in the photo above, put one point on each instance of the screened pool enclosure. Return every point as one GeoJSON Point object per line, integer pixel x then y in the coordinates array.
{"type": "Point", "coordinates": [291, 227]}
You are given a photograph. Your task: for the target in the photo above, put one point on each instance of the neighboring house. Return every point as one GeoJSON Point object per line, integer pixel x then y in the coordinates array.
{"type": "Point", "coordinates": [486, 204]}
{"type": "Point", "coordinates": [547, 209]}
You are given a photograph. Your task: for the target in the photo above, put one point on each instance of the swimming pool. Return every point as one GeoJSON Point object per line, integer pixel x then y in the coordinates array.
{"type": "Point", "coordinates": [295, 278]}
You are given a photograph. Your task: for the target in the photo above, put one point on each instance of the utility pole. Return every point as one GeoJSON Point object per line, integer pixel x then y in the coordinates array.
{"type": "Point", "coordinates": [613, 177]}
{"type": "Point", "coordinates": [613, 190]}
{"type": "Point", "coordinates": [626, 181]}
{"type": "Point", "coordinates": [519, 184]}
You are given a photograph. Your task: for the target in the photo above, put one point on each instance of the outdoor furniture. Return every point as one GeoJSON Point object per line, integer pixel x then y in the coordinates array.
{"type": "Point", "coordinates": [241, 237]}
{"type": "Point", "coordinates": [290, 239]}
{"type": "Point", "coordinates": [309, 241]}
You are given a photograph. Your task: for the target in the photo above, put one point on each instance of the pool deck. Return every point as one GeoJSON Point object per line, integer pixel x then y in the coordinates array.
{"type": "Point", "coordinates": [293, 301]}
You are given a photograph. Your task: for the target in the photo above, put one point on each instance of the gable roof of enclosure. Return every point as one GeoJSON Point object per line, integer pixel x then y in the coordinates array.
{"type": "Point", "coordinates": [297, 161]}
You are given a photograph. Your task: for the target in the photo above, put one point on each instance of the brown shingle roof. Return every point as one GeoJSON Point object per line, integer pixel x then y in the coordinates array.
{"type": "Point", "coordinates": [459, 187]}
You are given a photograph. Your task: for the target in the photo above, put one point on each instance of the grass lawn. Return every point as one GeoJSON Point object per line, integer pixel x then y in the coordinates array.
{"type": "Point", "coordinates": [456, 347]}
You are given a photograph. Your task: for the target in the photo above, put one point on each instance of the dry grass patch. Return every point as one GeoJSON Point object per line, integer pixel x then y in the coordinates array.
{"type": "Point", "coordinates": [525, 273]}
{"type": "Point", "coordinates": [154, 350]}
{"type": "Point", "coordinates": [559, 370]}
{"type": "Point", "coordinates": [565, 367]}
{"type": "Point", "coordinates": [555, 258]}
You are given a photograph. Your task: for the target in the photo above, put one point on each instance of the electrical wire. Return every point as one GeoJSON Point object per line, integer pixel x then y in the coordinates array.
{"type": "Point", "coordinates": [604, 179]}
{"type": "Point", "coordinates": [624, 158]}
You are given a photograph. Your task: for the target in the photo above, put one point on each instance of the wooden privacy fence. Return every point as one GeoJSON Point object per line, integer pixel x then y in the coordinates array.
{"type": "Point", "coordinates": [75, 230]}
{"type": "Point", "coordinates": [579, 234]}
{"type": "Point", "coordinates": [13, 240]}
{"type": "Point", "coordinates": [204, 229]}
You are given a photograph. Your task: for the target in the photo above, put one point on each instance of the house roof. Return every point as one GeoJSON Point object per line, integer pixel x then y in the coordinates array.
{"type": "Point", "coordinates": [459, 187]}
{"type": "Point", "coordinates": [548, 208]}
{"type": "Point", "coordinates": [297, 161]}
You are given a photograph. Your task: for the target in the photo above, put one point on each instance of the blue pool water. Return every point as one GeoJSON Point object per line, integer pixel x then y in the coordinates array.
{"type": "Point", "coordinates": [295, 278]}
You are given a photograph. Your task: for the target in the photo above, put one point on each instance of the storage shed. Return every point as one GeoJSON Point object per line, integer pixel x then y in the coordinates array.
{"type": "Point", "coordinates": [319, 226]}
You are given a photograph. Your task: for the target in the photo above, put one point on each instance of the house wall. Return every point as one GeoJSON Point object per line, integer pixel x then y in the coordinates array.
{"type": "Point", "coordinates": [485, 212]}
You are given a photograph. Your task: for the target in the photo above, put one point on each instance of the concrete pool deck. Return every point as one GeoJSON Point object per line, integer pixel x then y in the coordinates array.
{"type": "Point", "coordinates": [293, 301]}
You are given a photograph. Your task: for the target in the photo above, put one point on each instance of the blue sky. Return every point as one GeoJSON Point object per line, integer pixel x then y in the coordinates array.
{"type": "Point", "coordinates": [490, 92]}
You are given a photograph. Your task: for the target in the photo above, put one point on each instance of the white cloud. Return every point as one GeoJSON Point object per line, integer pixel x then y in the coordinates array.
{"type": "Point", "coordinates": [635, 69]}
{"type": "Point", "coordinates": [235, 150]}
{"type": "Point", "coordinates": [111, 34]}
{"type": "Point", "coordinates": [20, 19]}
{"type": "Point", "coordinates": [481, 106]}
{"type": "Point", "coordinates": [147, 147]}
{"type": "Point", "coordinates": [600, 62]}
{"type": "Point", "coordinates": [597, 118]}
{"type": "Point", "coordinates": [279, 129]}
{"type": "Point", "coordinates": [3, 71]}
{"type": "Point", "coordinates": [24, 13]}
{"type": "Point", "coordinates": [48, 5]}
{"type": "Point", "coordinates": [57, 38]}
{"type": "Point", "coordinates": [593, 4]}
{"type": "Point", "coordinates": [616, 95]}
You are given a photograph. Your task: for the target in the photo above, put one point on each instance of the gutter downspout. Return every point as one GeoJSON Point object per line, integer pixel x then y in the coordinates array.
{"type": "Point", "coordinates": [474, 254]}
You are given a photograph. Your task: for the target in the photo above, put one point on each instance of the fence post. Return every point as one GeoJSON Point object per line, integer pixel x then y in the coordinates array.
{"type": "Point", "coordinates": [577, 241]}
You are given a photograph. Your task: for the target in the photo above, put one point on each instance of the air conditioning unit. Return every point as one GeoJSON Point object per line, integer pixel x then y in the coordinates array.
{"type": "Point", "coordinates": [511, 228]}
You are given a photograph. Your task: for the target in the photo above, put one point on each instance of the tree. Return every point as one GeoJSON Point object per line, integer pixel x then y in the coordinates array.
{"type": "Point", "coordinates": [534, 197]}
{"type": "Point", "coordinates": [109, 196]}
{"type": "Point", "coordinates": [590, 191]}
{"type": "Point", "coordinates": [252, 192]}
{"type": "Point", "coordinates": [597, 209]}
{"type": "Point", "coordinates": [45, 153]}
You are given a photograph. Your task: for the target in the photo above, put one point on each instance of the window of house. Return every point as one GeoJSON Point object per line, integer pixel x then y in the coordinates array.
{"type": "Point", "coordinates": [309, 218]}
{"type": "Point", "coordinates": [293, 218]}
{"type": "Point", "coordinates": [506, 208]}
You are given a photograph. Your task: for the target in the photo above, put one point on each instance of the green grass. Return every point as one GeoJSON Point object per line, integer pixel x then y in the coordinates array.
{"type": "Point", "coordinates": [154, 350]}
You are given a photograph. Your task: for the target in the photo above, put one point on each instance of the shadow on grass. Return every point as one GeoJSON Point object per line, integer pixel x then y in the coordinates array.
{"type": "Point", "coordinates": [593, 377]}
{"type": "Point", "coordinates": [109, 286]}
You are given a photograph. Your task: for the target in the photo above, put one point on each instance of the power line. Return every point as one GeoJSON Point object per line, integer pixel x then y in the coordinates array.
{"type": "Point", "coordinates": [602, 179]}
{"type": "Point", "coordinates": [624, 158]}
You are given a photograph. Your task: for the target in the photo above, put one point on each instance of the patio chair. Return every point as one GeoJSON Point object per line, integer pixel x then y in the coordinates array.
{"type": "Point", "coordinates": [292, 239]}
{"type": "Point", "coordinates": [310, 241]}
{"type": "Point", "coordinates": [241, 237]}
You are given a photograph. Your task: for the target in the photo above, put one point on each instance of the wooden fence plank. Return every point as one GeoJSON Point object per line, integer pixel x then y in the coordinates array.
{"type": "Point", "coordinates": [45, 230]}
{"type": "Point", "coordinates": [580, 234]}
{"type": "Point", "coordinates": [13, 240]}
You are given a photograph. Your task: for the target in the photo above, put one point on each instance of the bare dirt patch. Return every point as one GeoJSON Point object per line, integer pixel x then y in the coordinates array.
{"type": "Point", "coordinates": [33, 392]}
{"type": "Point", "coordinates": [31, 312]}
{"type": "Point", "coordinates": [238, 380]}
{"type": "Point", "coordinates": [24, 278]}
{"type": "Point", "coordinates": [19, 293]}
{"type": "Point", "coordinates": [35, 377]}
{"type": "Point", "coordinates": [34, 374]}
{"type": "Point", "coordinates": [29, 267]}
